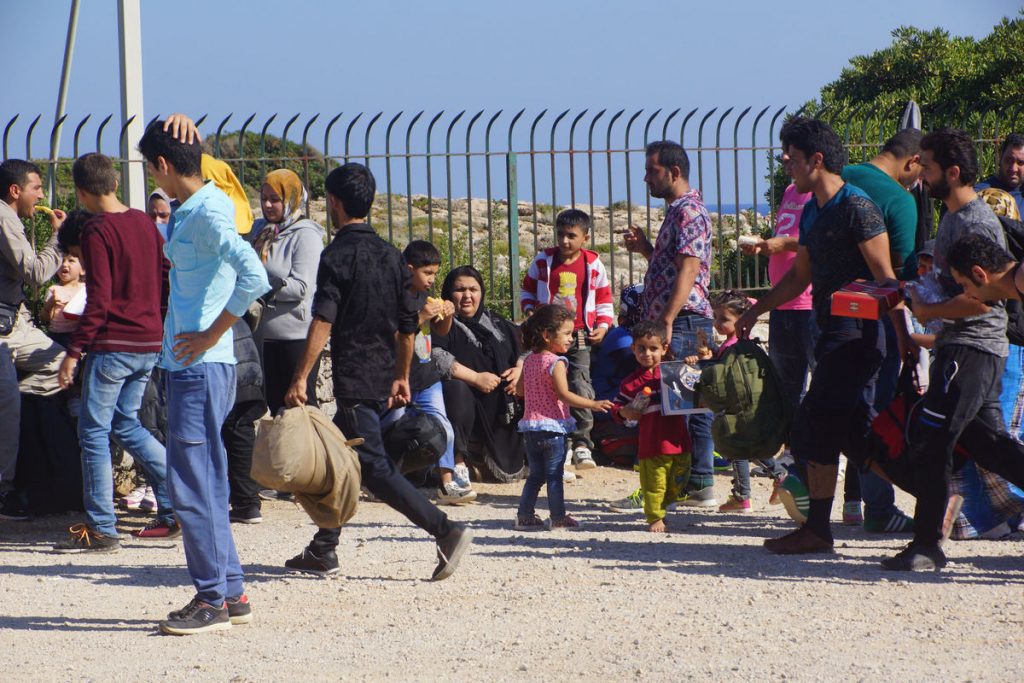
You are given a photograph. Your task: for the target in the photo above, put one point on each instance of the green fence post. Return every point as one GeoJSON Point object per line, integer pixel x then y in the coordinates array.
{"type": "Point", "coordinates": [513, 229]}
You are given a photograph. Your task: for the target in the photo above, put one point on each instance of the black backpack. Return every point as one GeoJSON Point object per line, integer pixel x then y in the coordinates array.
{"type": "Point", "coordinates": [415, 441]}
{"type": "Point", "coordinates": [1014, 232]}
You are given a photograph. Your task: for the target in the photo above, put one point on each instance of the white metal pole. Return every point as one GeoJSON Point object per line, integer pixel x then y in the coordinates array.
{"type": "Point", "coordinates": [129, 30]}
{"type": "Point", "coordinates": [62, 100]}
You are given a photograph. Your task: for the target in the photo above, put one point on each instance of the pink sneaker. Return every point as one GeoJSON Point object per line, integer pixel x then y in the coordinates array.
{"type": "Point", "coordinates": [148, 502]}
{"type": "Point", "coordinates": [158, 529]}
{"type": "Point", "coordinates": [133, 499]}
{"type": "Point", "coordinates": [734, 504]}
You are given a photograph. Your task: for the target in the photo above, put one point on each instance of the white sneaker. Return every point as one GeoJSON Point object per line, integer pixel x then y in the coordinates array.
{"type": "Point", "coordinates": [568, 477]}
{"type": "Point", "coordinates": [148, 502]}
{"type": "Point", "coordinates": [461, 475]}
{"type": "Point", "coordinates": [453, 494]}
{"type": "Point", "coordinates": [133, 499]}
{"type": "Point", "coordinates": [582, 458]}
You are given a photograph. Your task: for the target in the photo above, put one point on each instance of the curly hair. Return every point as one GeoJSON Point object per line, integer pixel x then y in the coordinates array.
{"type": "Point", "coordinates": [547, 318]}
{"type": "Point", "coordinates": [732, 300]}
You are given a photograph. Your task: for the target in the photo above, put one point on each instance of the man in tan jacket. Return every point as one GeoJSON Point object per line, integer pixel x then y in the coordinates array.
{"type": "Point", "coordinates": [28, 358]}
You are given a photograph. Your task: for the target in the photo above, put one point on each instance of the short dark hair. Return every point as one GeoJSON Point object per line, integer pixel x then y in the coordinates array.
{"type": "Point", "coordinates": [813, 136]}
{"type": "Point", "coordinates": [573, 218]}
{"type": "Point", "coordinates": [953, 147]}
{"type": "Point", "coordinates": [547, 318]}
{"type": "Point", "coordinates": [905, 143]}
{"type": "Point", "coordinates": [186, 158]}
{"type": "Point", "coordinates": [16, 172]}
{"type": "Point", "coordinates": [732, 300]}
{"type": "Point", "coordinates": [353, 185]}
{"type": "Point", "coordinates": [70, 232]}
{"type": "Point", "coordinates": [95, 174]}
{"type": "Point", "coordinates": [420, 253]}
{"type": "Point", "coordinates": [977, 250]}
{"type": "Point", "coordinates": [650, 328]}
{"type": "Point", "coordinates": [670, 154]}
{"type": "Point", "coordinates": [1012, 141]}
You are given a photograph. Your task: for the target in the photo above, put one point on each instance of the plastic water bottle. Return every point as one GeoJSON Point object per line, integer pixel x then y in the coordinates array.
{"type": "Point", "coordinates": [639, 404]}
{"type": "Point", "coordinates": [566, 292]}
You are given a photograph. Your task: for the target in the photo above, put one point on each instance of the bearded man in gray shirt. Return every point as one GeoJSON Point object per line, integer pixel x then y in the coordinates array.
{"type": "Point", "coordinates": [962, 403]}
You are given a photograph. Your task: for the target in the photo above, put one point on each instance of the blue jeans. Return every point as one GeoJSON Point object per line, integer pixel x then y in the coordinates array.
{"type": "Point", "coordinates": [198, 400]}
{"type": "Point", "coordinates": [429, 401]}
{"type": "Point", "coordinates": [112, 388]}
{"type": "Point", "coordinates": [684, 343]}
{"type": "Point", "coordinates": [879, 497]}
{"type": "Point", "coordinates": [545, 454]}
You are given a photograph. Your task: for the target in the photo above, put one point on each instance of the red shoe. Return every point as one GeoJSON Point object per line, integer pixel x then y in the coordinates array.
{"type": "Point", "coordinates": [158, 529]}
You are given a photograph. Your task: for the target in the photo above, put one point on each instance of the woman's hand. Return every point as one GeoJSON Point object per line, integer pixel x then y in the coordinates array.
{"type": "Point", "coordinates": [486, 382]}
{"type": "Point", "coordinates": [601, 406]}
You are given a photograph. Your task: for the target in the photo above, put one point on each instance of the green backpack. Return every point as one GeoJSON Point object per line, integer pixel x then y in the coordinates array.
{"type": "Point", "coordinates": [751, 417]}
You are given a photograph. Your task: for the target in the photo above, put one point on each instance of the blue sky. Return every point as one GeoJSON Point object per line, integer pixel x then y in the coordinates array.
{"type": "Point", "coordinates": [223, 56]}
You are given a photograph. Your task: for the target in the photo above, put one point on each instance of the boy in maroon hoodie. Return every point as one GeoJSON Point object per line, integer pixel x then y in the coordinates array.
{"type": "Point", "coordinates": [122, 331]}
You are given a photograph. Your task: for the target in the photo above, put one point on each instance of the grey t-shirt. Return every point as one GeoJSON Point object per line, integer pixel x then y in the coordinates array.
{"type": "Point", "coordinates": [985, 332]}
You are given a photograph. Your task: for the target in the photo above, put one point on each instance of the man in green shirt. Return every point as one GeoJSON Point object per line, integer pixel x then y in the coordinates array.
{"type": "Point", "coordinates": [886, 179]}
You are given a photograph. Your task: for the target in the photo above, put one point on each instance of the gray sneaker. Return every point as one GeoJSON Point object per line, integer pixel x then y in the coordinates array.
{"type": "Point", "coordinates": [582, 458]}
{"type": "Point", "coordinates": [453, 494]}
{"type": "Point", "coordinates": [698, 498]}
{"type": "Point", "coordinates": [631, 503]}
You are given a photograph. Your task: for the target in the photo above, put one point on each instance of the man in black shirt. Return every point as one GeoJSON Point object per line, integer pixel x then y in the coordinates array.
{"type": "Point", "coordinates": [842, 238]}
{"type": "Point", "coordinates": [363, 306]}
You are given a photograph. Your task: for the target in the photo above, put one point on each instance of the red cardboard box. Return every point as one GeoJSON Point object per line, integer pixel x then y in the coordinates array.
{"type": "Point", "coordinates": [865, 299]}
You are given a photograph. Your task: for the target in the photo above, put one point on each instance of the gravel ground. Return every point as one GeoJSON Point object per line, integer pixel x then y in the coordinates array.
{"type": "Point", "coordinates": [608, 602]}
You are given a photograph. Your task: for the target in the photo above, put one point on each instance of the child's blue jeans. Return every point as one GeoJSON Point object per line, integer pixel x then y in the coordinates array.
{"type": "Point", "coordinates": [545, 454]}
{"type": "Point", "coordinates": [429, 401]}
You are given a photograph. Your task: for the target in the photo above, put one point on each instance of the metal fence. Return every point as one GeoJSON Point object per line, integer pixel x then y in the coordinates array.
{"type": "Point", "coordinates": [524, 168]}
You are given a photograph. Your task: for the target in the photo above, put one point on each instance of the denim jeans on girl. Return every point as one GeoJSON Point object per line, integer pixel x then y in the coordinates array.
{"type": "Point", "coordinates": [545, 454]}
{"type": "Point", "coordinates": [112, 388]}
{"type": "Point", "coordinates": [199, 398]}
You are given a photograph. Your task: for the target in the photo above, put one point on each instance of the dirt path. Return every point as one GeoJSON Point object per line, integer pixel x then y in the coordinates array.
{"type": "Point", "coordinates": [610, 602]}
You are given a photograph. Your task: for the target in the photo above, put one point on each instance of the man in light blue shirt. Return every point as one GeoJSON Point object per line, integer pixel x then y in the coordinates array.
{"type": "Point", "coordinates": [214, 277]}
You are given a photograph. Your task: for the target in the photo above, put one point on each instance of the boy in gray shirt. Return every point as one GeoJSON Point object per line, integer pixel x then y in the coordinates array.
{"type": "Point", "coordinates": [962, 402]}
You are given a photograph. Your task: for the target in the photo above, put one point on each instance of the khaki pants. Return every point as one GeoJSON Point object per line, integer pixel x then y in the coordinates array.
{"type": "Point", "coordinates": [29, 361]}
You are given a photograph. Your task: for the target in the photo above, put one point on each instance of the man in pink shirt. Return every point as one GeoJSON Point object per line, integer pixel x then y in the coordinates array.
{"type": "Point", "coordinates": [791, 329]}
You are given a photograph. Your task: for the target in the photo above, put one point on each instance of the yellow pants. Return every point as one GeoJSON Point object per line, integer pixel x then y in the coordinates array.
{"type": "Point", "coordinates": [660, 478]}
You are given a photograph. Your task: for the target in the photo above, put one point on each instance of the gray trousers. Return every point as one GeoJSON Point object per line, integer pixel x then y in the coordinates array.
{"type": "Point", "coordinates": [29, 361]}
{"type": "Point", "coordinates": [579, 383]}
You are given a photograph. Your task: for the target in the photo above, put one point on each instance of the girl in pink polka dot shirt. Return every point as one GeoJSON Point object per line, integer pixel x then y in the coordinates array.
{"type": "Point", "coordinates": [546, 421]}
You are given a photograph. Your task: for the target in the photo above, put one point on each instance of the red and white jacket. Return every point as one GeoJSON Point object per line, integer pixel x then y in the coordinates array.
{"type": "Point", "coordinates": [598, 309]}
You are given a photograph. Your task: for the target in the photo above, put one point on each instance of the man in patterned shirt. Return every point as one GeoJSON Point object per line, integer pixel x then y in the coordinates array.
{"type": "Point", "coordinates": [842, 238]}
{"type": "Point", "coordinates": [676, 287]}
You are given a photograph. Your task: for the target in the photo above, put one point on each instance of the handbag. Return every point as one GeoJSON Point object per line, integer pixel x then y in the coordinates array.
{"type": "Point", "coordinates": [8, 317]}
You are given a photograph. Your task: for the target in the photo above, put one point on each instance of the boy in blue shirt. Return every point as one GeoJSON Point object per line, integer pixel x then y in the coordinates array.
{"type": "Point", "coordinates": [214, 277]}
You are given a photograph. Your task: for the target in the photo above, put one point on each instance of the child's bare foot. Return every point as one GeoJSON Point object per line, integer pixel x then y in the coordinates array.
{"type": "Point", "coordinates": [657, 527]}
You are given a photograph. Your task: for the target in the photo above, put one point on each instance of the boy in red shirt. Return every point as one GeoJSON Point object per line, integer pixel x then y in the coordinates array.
{"type": "Point", "coordinates": [580, 273]}
{"type": "Point", "coordinates": [663, 444]}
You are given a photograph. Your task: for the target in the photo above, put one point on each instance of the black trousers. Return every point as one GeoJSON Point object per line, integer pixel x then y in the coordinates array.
{"type": "Point", "coordinates": [361, 419]}
{"type": "Point", "coordinates": [961, 406]}
{"type": "Point", "coordinates": [280, 358]}
{"type": "Point", "coordinates": [239, 436]}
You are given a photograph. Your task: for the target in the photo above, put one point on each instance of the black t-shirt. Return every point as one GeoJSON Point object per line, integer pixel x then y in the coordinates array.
{"type": "Point", "coordinates": [361, 290]}
{"type": "Point", "coordinates": [832, 235]}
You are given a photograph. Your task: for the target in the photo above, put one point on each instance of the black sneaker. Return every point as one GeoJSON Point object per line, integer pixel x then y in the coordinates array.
{"type": "Point", "coordinates": [450, 550]}
{"type": "Point", "coordinates": [245, 516]}
{"type": "Point", "coordinates": [82, 539]}
{"type": "Point", "coordinates": [916, 558]}
{"type": "Point", "coordinates": [308, 561]}
{"type": "Point", "coordinates": [239, 610]}
{"type": "Point", "coordinates": [11, 507]}
{"type": "Point", "coordinates": [196, 617]}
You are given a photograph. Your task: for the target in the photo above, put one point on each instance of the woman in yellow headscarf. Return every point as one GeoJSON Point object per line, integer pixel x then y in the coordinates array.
{"type": "Point", "coordinates": [289, 244]}
{"type": "Point", "coordinates": [224, 178]}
